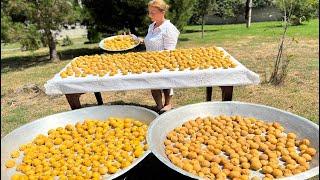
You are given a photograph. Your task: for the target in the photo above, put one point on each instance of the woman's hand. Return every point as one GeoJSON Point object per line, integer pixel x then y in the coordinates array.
{"type": "Point", "coordinates": [141, 40]}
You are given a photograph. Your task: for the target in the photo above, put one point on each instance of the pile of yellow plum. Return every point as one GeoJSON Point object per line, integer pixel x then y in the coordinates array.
{"type": "Point", "coordinates": [233, 147]}
{"type": "Point", "coordinates": [148, 62]}
{"type": "Point", "coordinates": [120, 42]}
{"type": "Point", "coordinates": [85, 150]}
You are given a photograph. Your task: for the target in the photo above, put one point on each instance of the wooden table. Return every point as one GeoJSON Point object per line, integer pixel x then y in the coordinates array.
{"type": "Point", "coordinates": [74, 99]}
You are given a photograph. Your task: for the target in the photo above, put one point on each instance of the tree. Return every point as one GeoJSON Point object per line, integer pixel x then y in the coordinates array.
{"type": "Point", "coordinates": [180, 11]}
{"type": "Point", "coordinates": [262, 3]}
{"type": "Point", "coordinates": [280, 66]}
{"type": "Point", "coordinates": [44, 16]}
{"type": "Point", "coordinates": [302, 10]}
{"type": "Point", "coordinates": [5, 27]}
{"type": "Point", "coordinates": [8, 33]}
{"type": "Point", "coordinates": [248, 13]}
{"type": "Point", "coordinates": [202, 8]}
{"type": "Point", "coordinates": [115, 15]}
{"type": "Point", "coordinates": [229, 8]}
{"type": "Point", "coordinates": [254, 3]}
{"type": "Point", "coordinates": [232, 8]}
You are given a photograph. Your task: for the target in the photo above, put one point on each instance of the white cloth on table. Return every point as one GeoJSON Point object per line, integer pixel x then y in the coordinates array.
{"type": "Point", "coordinates": [238, 76]}
{"type": "Point", "coordinates": [163, 37]}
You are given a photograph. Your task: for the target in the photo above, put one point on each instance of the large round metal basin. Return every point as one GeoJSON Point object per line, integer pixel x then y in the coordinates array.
{"type": "Point", "coordinates": [163, 124]}
{"type": "Point", "coordinates": [27, 132]}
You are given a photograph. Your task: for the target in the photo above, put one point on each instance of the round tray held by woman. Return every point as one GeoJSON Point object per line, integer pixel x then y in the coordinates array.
{"type": "Point", "coordinates": [119, 42]}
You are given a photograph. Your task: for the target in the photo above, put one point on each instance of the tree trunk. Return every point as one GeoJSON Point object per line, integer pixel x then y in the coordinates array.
{"type": "Point", "coordinates": [275, 79]}
{"type": "Point", "coordinates": [202, 26]}
{"type": "Point", "coordinates": [52, 47]}
{"type": "Point", "coordinates": [248, 13]}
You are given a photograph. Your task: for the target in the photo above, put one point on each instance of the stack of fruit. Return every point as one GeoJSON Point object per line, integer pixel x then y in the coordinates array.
{"type": "Point", "coordinates": [148, 62]}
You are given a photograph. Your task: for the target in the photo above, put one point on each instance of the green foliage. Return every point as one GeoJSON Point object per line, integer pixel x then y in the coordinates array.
{"type": "Point", "coordinates": [45, 14]}
{"type": "Point", "coordinates": [6, 23]}
{"type": "Point", "coordinates": [93, 35]}
{"type": "Point", "coordinates": [221, 8]}
{"type": "Point", "coordinates": [114, 15]}
{"type": "Point", "coordinates": [30, 38]}
{"type": "Point", "coordinates": [202, 8]}
{"type": "Point", "coordinates": [262, 3]}
{"type": "Point", "coordinates": [229, 8]}
{"type": "Point", "coordinates": [66, 41]}
{"type": "Point", "coordinates": [224, 8]}
{"type": "Point", "coordinates": [180, 12]}
{"type": "Point", "coordinates": [26, 35]}
{"type": "Point", "coordinates": [298, 10]}
{"type": "Point", "coordinates": [30, 21]}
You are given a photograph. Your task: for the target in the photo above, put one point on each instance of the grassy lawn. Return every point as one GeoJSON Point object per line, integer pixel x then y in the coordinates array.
{"type": "Point", "coordinates": [236, 32]}
{"type": "Point", "coordinates": [255, 47]}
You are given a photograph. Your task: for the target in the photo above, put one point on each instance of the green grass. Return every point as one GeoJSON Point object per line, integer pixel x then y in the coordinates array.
{"type": "Point", "coordinates": [7, 46]}
{"type": "Point", "coordinates": [16, 117]}
{"type": "Point", "coordinates": [220, 33]}
{"type": "Point", "coordinates": [313, 64]}
{"type": "Point", "coordinates": [77, 44]}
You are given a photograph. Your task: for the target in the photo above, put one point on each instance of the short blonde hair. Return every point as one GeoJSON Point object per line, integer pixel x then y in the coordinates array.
{"type": "Point", "coordinates": [160, 4]}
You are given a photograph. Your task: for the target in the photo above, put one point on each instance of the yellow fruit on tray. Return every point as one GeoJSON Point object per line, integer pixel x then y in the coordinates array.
{"type": "Point", "coordinates": [89, 149]}
{"type": "Point", "coordinates": [120, 42]}
{"type": "Point", "coordinates": [10, 163]}
{"type": "Point", "coordinates": [15, 154]}
{"type": "Point", "coordinates": [148, 62]}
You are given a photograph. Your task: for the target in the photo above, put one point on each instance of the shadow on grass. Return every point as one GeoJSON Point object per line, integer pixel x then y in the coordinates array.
{"type": "Point", "coordinates": [272, 26]}
{"type": "Point", "coordinates": [280, 25]}
{"type": "Point", "coordinates": [195, 30]}
{"type": "Point", "coordinates": [184, 39]}
{"type": "Point", "coordinates": [121, 103]}
{"type": "Point", "coordinates": [21, 62]}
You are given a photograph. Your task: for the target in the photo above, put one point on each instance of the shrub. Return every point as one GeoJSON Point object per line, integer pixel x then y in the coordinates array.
{"type": "Point", "coordinates": [93, 35]}
{"type": "Point", "coordinates": [302, 10]}
{"type": "Point", "coordinates": [66, 41]}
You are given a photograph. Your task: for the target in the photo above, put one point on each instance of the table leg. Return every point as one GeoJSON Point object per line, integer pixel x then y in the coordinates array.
{"type": "Point", "coordinates": [74, 101]}
{"type": "Point", "coordinates": [99, 98]}
{"type": "Point", "coordinates": [209, 93]}
{"type": "Point", "coordinates": [227, 92]}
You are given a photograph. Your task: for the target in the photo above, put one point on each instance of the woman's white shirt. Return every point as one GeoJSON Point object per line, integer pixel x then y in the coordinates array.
{"type": "Point", "coordinates": [163, 37]}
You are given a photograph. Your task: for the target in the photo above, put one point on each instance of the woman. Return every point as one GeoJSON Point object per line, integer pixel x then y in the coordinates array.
{"type": "Point", "coordinates": [162, 35]}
